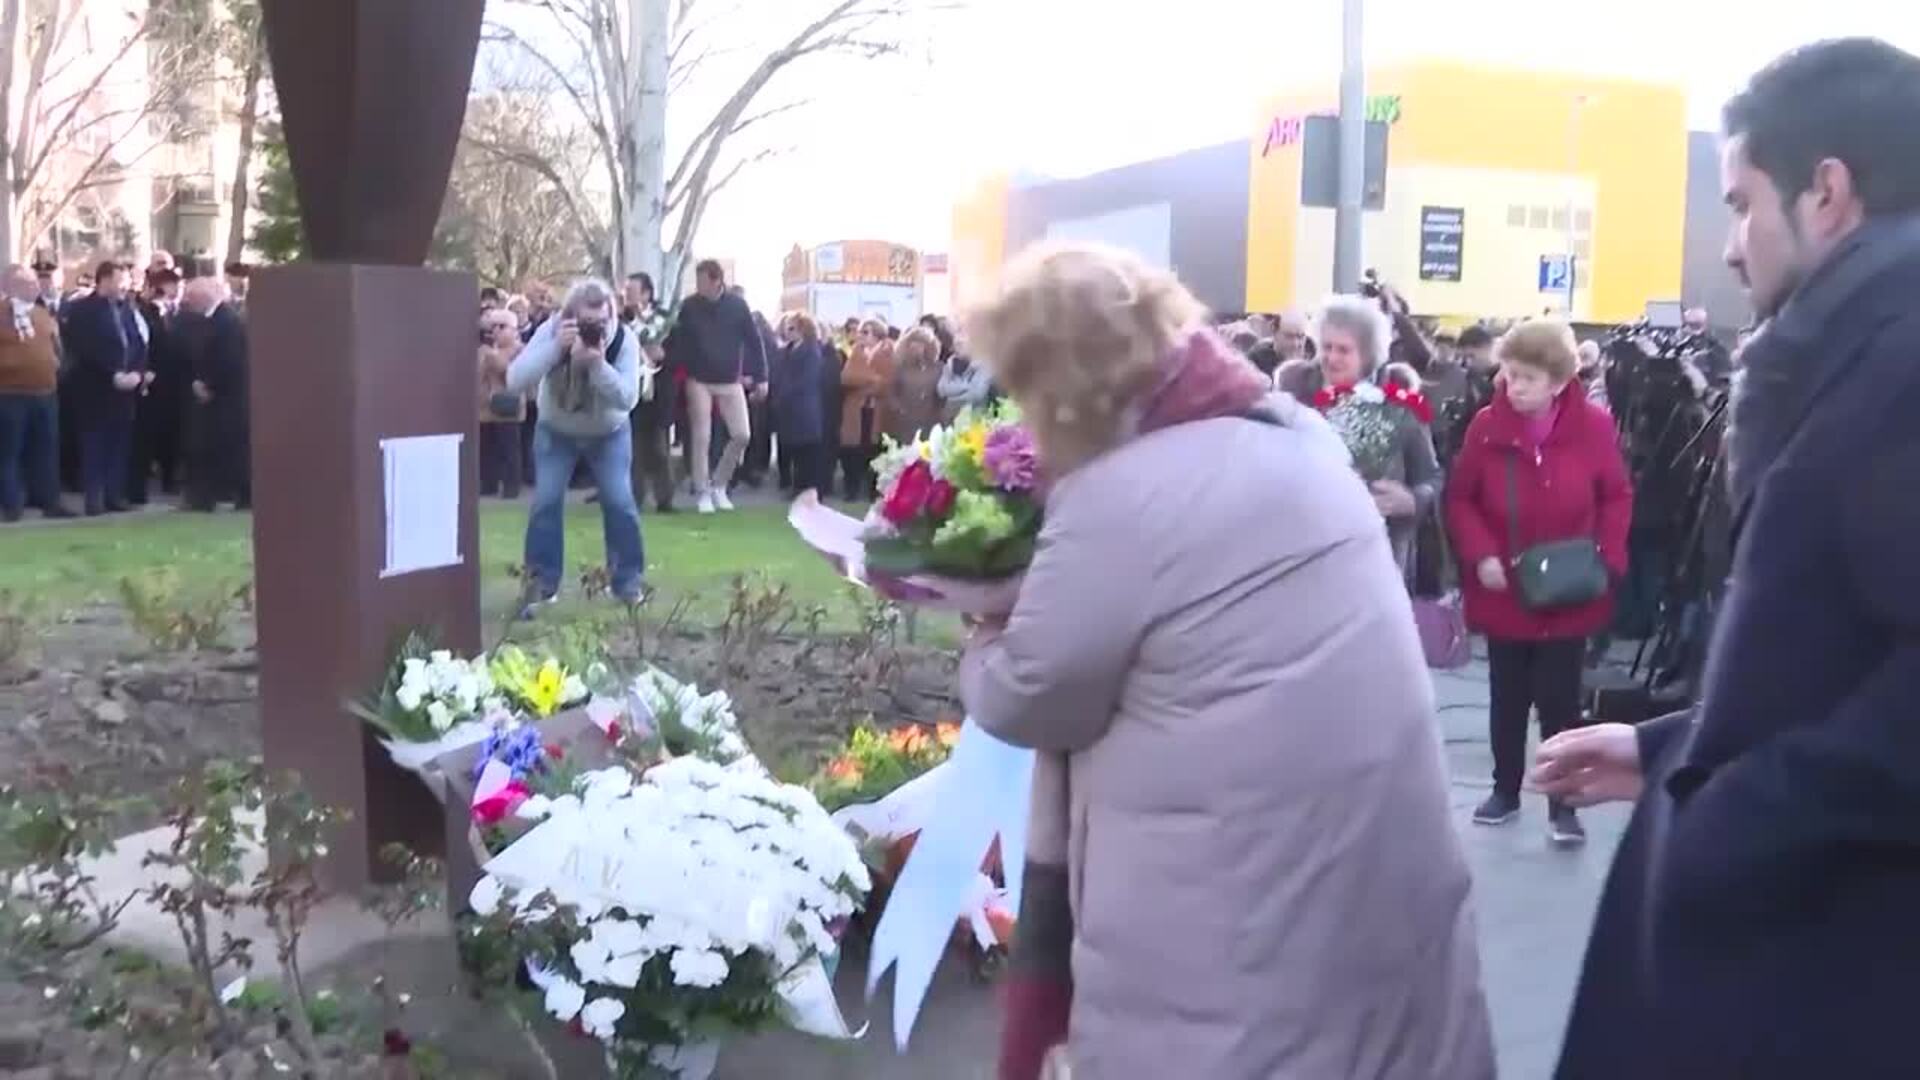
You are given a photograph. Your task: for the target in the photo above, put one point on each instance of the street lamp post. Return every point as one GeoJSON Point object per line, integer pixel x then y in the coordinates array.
{"type": "Point", "coordinates": [1349, 216]}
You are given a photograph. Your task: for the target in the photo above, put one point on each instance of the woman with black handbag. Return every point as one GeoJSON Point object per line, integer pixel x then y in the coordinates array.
{"type": "Point", "coordinates": [1538, 508]}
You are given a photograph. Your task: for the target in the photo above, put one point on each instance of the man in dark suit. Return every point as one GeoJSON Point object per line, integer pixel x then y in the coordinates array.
{"type": "Point", "coordinates": [106, 343]}
{"type": "Point", "coordinates": [214, 342]}
{"type": "Point", "coordinates": [161, 408]}
{"type": "Point", "coordinates": [1759, 920]}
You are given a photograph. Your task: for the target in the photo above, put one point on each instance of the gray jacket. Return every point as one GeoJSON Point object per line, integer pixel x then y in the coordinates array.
{"type": "Point", "coordinates": [583, 404]}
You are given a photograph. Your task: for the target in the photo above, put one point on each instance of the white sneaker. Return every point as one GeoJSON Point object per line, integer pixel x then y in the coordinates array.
{"type": "Point", "coordinates": [705, 505]}
{"type": "Point", "coordinates": [721, 500]}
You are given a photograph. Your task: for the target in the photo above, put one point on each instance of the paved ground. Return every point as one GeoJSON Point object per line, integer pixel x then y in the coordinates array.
{"type": "Point", "coordinates": [1535, 905]}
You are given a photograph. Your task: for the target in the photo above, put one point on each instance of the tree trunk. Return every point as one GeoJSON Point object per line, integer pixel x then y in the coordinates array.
{"type": "Point", "coordinates": [9, 48]}
{"type": "Point", "coordinates": [242, 193]}
{"type": "Point", "coordinates": [651, 31]}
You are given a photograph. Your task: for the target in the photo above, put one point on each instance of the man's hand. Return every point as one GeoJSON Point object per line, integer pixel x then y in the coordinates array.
{"type": "Point", "coordinates": [126, 381]}
{"type": "Point", "coordinates": [568, 335]}
{"type": "Point", "coordinates": [201, 393]}
{"type": "Point", "coordinates": [1590, 765]}
{"type": "Point", "coordinates": [1492, 574]}
{"type": "Point", "coordinates": [1394, 500]}
{"type": "Point", "coordinates": [758, 391]}
{"type": "Point", "coordinates": [146, 378]}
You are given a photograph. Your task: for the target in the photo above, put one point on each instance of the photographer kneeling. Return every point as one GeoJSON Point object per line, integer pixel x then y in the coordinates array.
{"type": "Point", "coordinates": [588, 372]}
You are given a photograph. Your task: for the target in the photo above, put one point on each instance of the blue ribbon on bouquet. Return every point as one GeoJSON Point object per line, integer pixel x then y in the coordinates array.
{"type": "Point", "coordinates": [984, 792]}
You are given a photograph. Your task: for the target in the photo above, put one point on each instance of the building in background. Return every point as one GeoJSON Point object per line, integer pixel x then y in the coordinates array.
{"type": "Point", "coordinates": [135, 128]}
{"type": "Point", "coordinates": [854, 279]}
{"type": "Point", "coordinates": [1185, 213]}
{"type": "Point", "coordinates": [1487, 181]}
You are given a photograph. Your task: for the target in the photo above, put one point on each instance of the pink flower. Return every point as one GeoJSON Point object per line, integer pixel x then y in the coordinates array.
{"type": "Point", "coordinates": [1011, 459]}
{"type": "Point", "coordinates": [500, 805]}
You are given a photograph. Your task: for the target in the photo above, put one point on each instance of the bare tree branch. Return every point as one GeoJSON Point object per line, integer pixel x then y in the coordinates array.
{"type": "Point", "coordinates": [55, 135]}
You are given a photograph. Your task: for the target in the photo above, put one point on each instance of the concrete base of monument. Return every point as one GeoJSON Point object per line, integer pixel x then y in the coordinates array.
{"type": "Point", "coordinates": [337, 929]}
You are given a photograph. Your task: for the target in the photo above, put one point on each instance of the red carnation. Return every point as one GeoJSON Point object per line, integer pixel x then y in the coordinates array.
{"type": "Point", "coordinates": [497, 807]}
{"type": "Point", "coordinates": [940, 500]}
{"type": "Point", "coordinates": [396, 1043]}
{"type": "Point", "coordinates": [555, 752]}
{"type": "Point", "coordinates": [908, 499]}
{"type": "Point", "coordinates": [1411, 400]}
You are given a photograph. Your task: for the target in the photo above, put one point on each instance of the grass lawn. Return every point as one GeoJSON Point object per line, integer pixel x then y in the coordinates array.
{"type": "Point", "coordinates": [65, 566]}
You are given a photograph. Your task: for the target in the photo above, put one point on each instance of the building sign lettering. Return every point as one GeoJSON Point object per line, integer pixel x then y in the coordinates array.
{"type": "Point", "coordinates": [1284, 131]}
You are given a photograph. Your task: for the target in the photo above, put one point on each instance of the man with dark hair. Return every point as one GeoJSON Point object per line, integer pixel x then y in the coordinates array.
{"type": "Point", "coordinates": [653, 416]}
{"type": "Point", "coordinates": [159, 412]}
{"type": "Point", "coordinates": [1758, 922]}
{"type": "Point", "coordinates": [107, 344]}
{"type": "Point", "coordinates": [726, 359]}
{"type": "Point", "coordinates": [239, 280]}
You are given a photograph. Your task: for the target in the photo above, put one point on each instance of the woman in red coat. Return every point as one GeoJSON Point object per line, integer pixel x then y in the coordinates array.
{"type": "Point", "coordinates": [1540, 464]}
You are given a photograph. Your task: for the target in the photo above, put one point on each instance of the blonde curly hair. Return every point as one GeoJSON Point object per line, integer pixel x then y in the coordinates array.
{"type": "Point", "coordinates": [1076, 336]}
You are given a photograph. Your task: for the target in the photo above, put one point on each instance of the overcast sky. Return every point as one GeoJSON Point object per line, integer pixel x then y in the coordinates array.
{"type": "Point", "coordinates": [1061, 87]}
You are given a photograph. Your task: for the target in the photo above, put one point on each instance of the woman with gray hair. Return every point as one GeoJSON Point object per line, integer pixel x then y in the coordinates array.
{"type": "Point", "coordinates": [587, 369]}
{"type": "Point", "coordinates": [1380, 415]}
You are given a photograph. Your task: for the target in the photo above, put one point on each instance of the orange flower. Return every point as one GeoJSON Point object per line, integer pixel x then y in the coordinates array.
{"type": "Point", "coordinates": [908, 740]}
{"type": "Point", "coordinates": [845, 770]}
{"type": "Point", "coordinates": [949, 734]}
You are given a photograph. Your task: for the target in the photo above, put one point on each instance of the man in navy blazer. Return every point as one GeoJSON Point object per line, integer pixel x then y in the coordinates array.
{"type": "Point", "coordinates": [1759, 922]}
{"type": "Point", "coordinates": [106, 342]}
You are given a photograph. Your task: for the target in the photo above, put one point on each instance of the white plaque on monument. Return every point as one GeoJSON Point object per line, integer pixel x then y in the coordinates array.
{"type": "Point", "coordinates": [423, 502]}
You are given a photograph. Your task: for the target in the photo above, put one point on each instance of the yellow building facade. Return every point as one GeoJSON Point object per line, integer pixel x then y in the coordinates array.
{"type": "Point", "coordinates": [1520, 166]}
{"type": "Point", "coordinates": [1527, 164]}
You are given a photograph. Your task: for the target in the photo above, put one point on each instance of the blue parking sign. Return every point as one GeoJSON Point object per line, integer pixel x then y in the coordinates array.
{"type": "Point", "coordinates": [1555, 272]}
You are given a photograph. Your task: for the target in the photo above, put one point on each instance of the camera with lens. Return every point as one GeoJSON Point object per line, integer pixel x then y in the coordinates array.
{"type": "Point", "coordinates": [1370, 284]}
{"type": "Point", "coordinates": [593, 334]}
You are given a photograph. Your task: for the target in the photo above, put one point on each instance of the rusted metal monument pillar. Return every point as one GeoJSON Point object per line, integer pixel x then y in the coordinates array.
{"type": "Point", "coordinates": [352, 348]}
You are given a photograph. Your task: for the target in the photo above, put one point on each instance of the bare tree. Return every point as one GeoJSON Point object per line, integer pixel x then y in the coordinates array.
{"type": "Point", "coordinates": [96, 92]}
{"type": "Point", "coordinates": [513, 210]}
{"type": "Point", "coordinates": [245, 41]}
{"type": "Point", "coordinates": [620, 62]}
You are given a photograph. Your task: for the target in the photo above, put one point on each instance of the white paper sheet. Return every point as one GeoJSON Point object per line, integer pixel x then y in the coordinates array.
{"type": "Point", "coordinates": [423, 503]}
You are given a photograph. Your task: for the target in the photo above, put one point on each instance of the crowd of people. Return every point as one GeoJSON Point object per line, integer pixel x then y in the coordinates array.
{"type": "Point", "coordinates": [1240, 859]}
{"type": "Point", "coordinates": [1240, 863]}
{"type": "Point", "coordinates": [613, 390]}
{"type": "Point", "coordinates": [121, 385]}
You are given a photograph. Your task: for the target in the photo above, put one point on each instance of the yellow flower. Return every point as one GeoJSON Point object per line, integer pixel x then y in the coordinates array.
{"type": "Point", "coordinates": [926, 450]}
{"type": "Point", "coordinates": [974, 439]}
{"type": "Point", "coordinates": [543, 696]}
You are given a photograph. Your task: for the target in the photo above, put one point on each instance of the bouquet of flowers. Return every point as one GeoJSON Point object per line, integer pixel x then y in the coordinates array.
{"type": "Point", "coordinates": [686, 721]}
{"type": "Point", "coordinates": [957, 523]}
{"type": "Point", "coordinates": [959, 501]}
{"type": "Point", "coordinates": [874, 764]}
{"type": "Point", "coordinates": [432, 702]}
{"type": "Point", "coordinates": [541, 689]}
{"type": "Point", "coordinates": [661, 913]}
{"type": "Point", "coordinates": [1368, 418]}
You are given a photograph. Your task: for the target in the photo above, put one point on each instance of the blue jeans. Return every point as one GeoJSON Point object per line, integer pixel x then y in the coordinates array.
{"type": "Point", "coordinates": [29, 451]}
{"type": "Point", "coordinates": [610, 458]}
{"type": "Point", "coordinates": [106, 442]}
